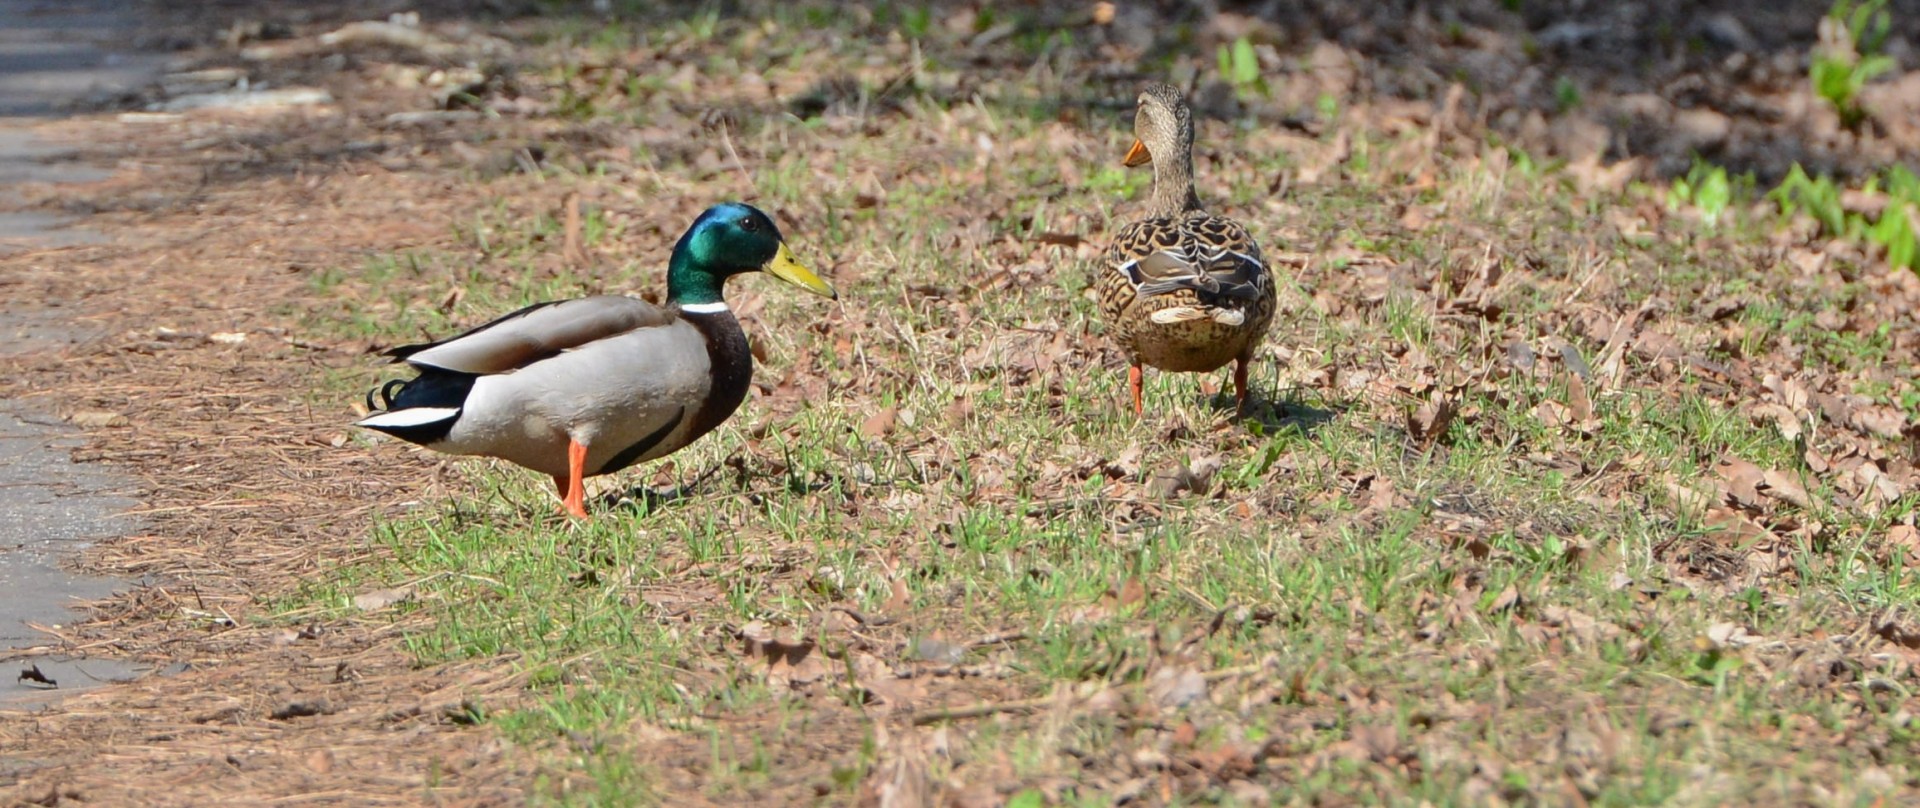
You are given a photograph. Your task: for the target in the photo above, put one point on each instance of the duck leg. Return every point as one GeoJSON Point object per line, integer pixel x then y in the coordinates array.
{"type": "Point", "coordinates": [1133, 382]}
{"type": "Point", "coordinates": [573, 493]}
{"type": "Point", "coordinates": [1240, 383]}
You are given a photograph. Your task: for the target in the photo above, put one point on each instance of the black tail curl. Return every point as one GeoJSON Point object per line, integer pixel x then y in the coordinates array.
{"type": "Point", "coordinates": [385, 392]}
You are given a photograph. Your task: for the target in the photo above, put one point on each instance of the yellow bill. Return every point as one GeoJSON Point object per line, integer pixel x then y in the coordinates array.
{"type": "Point", "coordinates": [1137, 156]}
{"type": "Point", "coordinates": [786, 268]}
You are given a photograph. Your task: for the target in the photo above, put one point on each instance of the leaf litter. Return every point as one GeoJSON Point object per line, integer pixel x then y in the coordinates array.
{"type": "Point", "coordinates": [1596, 372]}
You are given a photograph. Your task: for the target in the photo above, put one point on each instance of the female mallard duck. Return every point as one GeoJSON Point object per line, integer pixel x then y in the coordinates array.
{"type": "Point", "coordinates": [577, 388]}
{"type": "Point", "coordinates": [1182, 289]}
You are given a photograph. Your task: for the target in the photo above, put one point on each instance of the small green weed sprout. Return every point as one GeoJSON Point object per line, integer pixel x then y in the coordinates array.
{"type": "Point", "coordinates": [1240, 66]}
{"type": "Point", "coordinates": [1848, 55]}
{"type": "Point", "coordinates": [1892, 229]}
{"type": "Point", "coordinates": [1705, 187]}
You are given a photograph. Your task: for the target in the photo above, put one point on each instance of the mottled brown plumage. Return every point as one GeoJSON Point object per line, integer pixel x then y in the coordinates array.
{"type": "Point", "coordinates": [1182, 290]}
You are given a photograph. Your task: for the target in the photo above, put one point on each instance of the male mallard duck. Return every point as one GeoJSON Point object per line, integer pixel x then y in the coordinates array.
{"type": "Point", "coordinates": [576, 388]}
{"type": "Point", "coordinates": [1182, 289]}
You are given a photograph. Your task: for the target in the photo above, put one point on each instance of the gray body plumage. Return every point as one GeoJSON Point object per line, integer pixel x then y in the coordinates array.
{"type": "Point", "coordinates": [607, 372]}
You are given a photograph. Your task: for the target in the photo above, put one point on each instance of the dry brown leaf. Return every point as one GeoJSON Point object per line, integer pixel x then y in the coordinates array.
{"type": "Point", "coordinates": [1118, 599]}
{"type": "Point", "coordinates": [1380, 493]}
{"type": "Point", "coordinates": [382, 598]}
{"type": "Point", "coordinates": [1552, 414]}
{"type": "Point", "coordinates": [959, 411]}
{"type": "Point", "coordinates": [97, 419]}
{"type": "Point", "coordinates": [1428, 424]}
{"type": "Point", "coordinates": [1899, 635]}
{"type": "Point", "coordinates": [1743, 480]}
{"type": "Point", "coordinates": [878, 678]}
{"type": "Point", "coordinates": [1584, 627]}
{"type": "Point", "coordinates": [1906, 537]}
{"type": "Point", "coordinates": [899, 597]}
{"type": "Point", "coordinates": [1657, 346]}
{"type": "Point", "coordinates": [1879, 489]}
{"type": "Point", "coordinates": [1194, 477]}
{"type": "Point", "coordinates": [793, 664]}
{"type": "Point", "coordinates": [320, 761]}
{"type": "Point", "coordinates": [934, 648]}
{"type": "Point", "coordinates": [1415, 218]}
{"type": "Point", "coordinates": [1880, 420]}
{"type": "Point", "coordinates": [1762, 548]}
{"type": "Point", "coordinates": [1787, 392]}
{"type": "Point", "coordinates": [1690, 498]}
{"type": "Point", "coordinates": [1176, 687]}
{"type": "Point", "coordinates": [1580, 404]}
{"type": "Point", "coordinates": [880, 423]}
{"type": "Point", "coordinates": [1380, 743]}
{"type": "Point", "coordinates": [1508, 599]}
{"type": "Point", "coordinates": [1782, 418]}
{"type": "Point", "coordinates": [1610, 178]}
{"type": "Point", "coordinates": [1728, 635]}
{"type": "Point", "coordinates": [570, 231]}
{"type": "Point", "coordinates": [1782, 487]}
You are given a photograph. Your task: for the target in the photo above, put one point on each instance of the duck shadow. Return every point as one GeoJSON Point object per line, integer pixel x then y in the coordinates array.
{"type": "Point", "coordinates": [647, 499]}
{"type": "Point", "coordinates": [1277, 414]}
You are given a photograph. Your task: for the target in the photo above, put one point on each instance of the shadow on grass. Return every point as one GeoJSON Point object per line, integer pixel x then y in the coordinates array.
{"type": "Point", "coordinates": [1279, 414]}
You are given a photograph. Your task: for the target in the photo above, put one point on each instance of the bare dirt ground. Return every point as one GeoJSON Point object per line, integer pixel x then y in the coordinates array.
{"type": "Point", "coordinates": [227, 223]}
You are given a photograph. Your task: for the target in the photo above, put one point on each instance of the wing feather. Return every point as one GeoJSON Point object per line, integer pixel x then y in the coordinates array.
{"type": "Point", "coordinates": [1209, 255]}
{"type": "Point", "coordinates": [534, 333]}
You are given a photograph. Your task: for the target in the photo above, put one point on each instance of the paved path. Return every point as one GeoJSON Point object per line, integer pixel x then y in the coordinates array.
{"type": "Point", "coordinates": [52, 52]}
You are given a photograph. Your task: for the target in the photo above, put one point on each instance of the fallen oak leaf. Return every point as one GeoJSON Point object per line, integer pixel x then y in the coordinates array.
{"type": "Point", "coordinates": [1743, 480]}
{"type": "Point", "coordinates": [382, 598]}
{"type": "Point", "coordinates": [933, 648]}
{"type": "Point", "coordinates": [1782, 418]}
{"type": "Point", "coordinates": [898, 596]}
{"type": "Point", "coordinates": [792, 663]}
{"type": "Point", "coordinates": [1428, 423]}
{"type": "Point", "coordinates": [1689, 498]}
{"type": "Point", "coordinates": [1194, 477]}
{"type": "Point", "coordinates": [1580, 406]}
{"type": "Point", "coordinates": [880, 423]}
{"type": "Point", "coordinates": [1654, 345]}
{"type": "Point", "coordinates": [1906, 537]}
{"type": "Point", "coordinates": [1552, 414]}
{"type": "Point", "coordinates": [1780, 486]}
{"type": "Point", "coordinates": [97, 419]}
{"type": "Point", "coordinates": [1508, 600]}
{"type": "Point", "coordinates": [1173, 688]}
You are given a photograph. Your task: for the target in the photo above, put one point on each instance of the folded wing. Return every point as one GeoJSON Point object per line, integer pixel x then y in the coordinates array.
{"type": "Point", "coordinates": [534, 333]}
{"type": "Point", "coordinates": [1211, 256]}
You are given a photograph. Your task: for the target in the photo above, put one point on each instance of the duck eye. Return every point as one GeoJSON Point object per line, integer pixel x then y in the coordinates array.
{"type": "Point", "coordinates": [749, 224]}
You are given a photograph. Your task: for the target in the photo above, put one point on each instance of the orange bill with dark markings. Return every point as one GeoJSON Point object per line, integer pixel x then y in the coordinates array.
{"type": "Point", "coordinates": [1137, 156]}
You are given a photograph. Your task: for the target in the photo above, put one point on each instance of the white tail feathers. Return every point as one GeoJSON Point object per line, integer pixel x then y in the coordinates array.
{"type": "Point", "coordinates": [1177, 314]}
{"type": "Point", "coordinates": [412, 416]}
{"type": "Point", "coordinates": [1183, 314]}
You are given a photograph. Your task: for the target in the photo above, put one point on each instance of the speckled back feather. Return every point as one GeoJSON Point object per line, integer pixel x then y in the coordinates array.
{"type": "Point", "coordinates": [1186, 292]}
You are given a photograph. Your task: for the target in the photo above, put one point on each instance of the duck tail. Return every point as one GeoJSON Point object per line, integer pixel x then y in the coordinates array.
{"type": "Point", "coordinates": [420, 410]}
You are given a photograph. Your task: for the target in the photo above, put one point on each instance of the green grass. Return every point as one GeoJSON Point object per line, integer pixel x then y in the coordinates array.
{"type": "Point", "coordinates": [1516, 618]}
